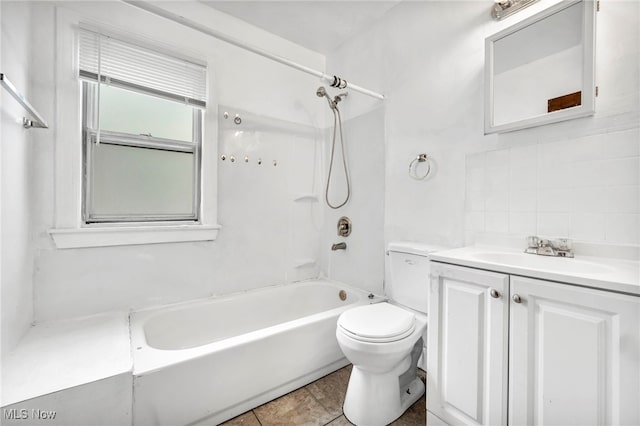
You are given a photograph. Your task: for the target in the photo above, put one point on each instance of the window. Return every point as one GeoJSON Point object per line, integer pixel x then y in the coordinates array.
{"type": "Point", "coordinates": [142, 133]}
{"type": "Point", "coordinates": [151, 75]}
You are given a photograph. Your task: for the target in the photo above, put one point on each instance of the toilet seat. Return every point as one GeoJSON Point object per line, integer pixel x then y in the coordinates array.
{"type": "Point", "coordinates": [377, 323]}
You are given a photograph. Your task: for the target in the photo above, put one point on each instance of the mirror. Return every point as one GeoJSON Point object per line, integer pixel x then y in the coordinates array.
{"type": "Point", "coordinates": [541, 70]}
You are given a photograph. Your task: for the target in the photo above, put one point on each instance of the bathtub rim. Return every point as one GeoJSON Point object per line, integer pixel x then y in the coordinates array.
{"type": "Point", "coordinates": [147, 359]}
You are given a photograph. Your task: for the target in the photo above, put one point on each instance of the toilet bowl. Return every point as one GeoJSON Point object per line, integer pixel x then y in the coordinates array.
{"type": "Point", "coordinates": [375, 394]}
{"type": "Point", "coordinates": [384, 341]}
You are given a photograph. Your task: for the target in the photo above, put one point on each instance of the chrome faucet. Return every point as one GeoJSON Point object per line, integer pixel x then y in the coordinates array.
{"type": "Point", "coordinates": [561, 247]}
{"type": "Point", "coordinates": [339, 246]}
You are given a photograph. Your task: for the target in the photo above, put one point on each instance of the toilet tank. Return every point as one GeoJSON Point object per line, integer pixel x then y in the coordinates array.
{"type": "Point", "coordinates": [407, 281]}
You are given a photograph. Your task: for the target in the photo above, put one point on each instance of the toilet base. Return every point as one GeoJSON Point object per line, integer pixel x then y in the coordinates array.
{"type": "Point", "coordinates": [375, 399]}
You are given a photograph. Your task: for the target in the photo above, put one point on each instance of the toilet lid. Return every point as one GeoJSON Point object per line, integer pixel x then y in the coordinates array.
{"type": "Point", "coordinates": [378, 323]}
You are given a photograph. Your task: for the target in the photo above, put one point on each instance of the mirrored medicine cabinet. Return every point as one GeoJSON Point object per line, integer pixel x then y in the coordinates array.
{"type": "Point", "coordinates": [541, 70]}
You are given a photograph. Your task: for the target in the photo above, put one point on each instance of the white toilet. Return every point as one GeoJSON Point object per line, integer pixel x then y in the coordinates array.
{"type": "Point", "coordinates": [384, 341]}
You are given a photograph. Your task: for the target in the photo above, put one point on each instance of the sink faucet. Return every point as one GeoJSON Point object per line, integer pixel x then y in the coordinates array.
{"type": "Point", "coordinates": [339, 246]}
{"type": "Point", "coordinates": [543, 247]}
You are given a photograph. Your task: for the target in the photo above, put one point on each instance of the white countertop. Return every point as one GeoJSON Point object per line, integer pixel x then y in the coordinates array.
{"type": "Point", "coordinates": [596, 272]}
{"type": "Point", "coordinates": [62, 354]}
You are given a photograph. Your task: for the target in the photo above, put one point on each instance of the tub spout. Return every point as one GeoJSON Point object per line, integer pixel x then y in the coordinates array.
{"type": "Point", "coordinates": [339, 246]}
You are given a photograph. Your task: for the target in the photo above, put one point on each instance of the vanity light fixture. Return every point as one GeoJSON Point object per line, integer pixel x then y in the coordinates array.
{"type": "Point", "coordinates": [503, 8]}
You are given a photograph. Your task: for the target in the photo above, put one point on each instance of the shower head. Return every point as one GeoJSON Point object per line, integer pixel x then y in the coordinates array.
{"type": "Point", "coordinates": [322, 92]}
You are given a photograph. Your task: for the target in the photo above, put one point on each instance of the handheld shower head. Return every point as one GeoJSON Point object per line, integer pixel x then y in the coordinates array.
{"type": "Point", "coordinates": [322, 92]}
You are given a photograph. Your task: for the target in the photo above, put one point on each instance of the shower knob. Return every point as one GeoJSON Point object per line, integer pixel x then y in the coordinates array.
{"type": "Point", "coordinates": [237, 119]}
{"type": "Point", "coordinates": [344, 226]}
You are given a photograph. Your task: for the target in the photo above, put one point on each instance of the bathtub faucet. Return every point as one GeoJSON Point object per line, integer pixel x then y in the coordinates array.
{"type": "Point", "coordinates": [339, 246]}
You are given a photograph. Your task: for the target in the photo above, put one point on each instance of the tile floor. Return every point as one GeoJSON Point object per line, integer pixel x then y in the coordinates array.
{"type": "Point", "coordinates": [319, 403]}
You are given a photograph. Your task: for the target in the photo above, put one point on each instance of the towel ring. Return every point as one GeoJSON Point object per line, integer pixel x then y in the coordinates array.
{"type": "Point", "coordinates": [421, 158]}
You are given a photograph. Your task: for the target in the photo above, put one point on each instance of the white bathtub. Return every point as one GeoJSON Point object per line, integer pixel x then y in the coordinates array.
{"type": "Point", "coordinates": [207, 361]}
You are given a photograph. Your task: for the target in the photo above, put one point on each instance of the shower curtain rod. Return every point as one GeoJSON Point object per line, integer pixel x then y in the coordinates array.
{"type": "Point", "coordinates": [331, 79]}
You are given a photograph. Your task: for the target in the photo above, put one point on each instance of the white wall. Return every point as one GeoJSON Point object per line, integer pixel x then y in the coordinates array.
{"type": "Point", "coordinates": [17, 203]}
{"type": "Point", "coordinates": [276, 162]}
{"type": "Point", "coordinates": [83, 281]}
{"type": "Point", "coordinates": [583, 188]}
{"type": "Point", "coordinates": [427, 58]}
{"type": "Point", "coordinates": [362, 263]}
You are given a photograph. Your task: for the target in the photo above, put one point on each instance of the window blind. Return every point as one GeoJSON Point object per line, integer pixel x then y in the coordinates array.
{"type": "Point", "coordinates": [127, 65]}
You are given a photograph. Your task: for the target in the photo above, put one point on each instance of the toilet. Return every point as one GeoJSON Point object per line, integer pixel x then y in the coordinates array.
{"type": "Point", "coordinates": [384, 341]}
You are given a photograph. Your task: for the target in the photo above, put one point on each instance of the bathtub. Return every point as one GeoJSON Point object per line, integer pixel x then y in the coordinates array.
{"type": "Point", "coordinates": [207, 361]}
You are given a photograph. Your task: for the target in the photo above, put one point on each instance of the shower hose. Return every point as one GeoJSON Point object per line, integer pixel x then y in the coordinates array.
{"type": "Point", "coordinates": [337, 123]}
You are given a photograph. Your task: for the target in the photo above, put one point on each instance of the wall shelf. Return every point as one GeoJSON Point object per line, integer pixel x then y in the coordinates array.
{"type": "Point", "coordinates": [303, 262]}
{"type": "Point", "coordinates": [308, 198]}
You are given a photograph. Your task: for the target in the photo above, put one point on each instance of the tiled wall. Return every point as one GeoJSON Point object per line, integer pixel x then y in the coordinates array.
{"type": "Point", "coordinates": [585, 189]}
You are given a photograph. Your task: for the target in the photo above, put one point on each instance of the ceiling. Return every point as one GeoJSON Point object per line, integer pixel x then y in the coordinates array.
{"type": "Point", "coordinates": [319, 25]}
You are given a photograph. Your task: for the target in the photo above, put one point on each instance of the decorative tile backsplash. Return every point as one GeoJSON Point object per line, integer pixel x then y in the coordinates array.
{"type": "Point", "coordinates": [586, 189]}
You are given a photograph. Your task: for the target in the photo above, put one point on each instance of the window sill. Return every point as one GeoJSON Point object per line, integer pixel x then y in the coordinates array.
{"type": "Point", "coordinates": [123, 236]}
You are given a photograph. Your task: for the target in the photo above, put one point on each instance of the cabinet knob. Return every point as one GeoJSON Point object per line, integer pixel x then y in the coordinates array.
{"type": "Point", "coordinates": [516, 298]}
{"type": "Point", "coordinates": [494, 293]}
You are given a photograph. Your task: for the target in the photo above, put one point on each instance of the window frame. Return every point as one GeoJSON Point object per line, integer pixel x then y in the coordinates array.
{"type": "Point", "coordinates": [89, 136]}
{"type": "Point", "coordinates": [68, 230]}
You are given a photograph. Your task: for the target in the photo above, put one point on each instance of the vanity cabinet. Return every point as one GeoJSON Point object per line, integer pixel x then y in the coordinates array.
{"type": "Point", "coordinates": [574, 355]}
{"type": "Point", "coordinates": [467, 345]}
{"type": "Point", "coordinates": [506, 349]}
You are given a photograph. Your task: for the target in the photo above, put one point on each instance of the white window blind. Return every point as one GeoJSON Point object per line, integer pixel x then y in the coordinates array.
{"type": "Point", "coordinates": [137, 68]}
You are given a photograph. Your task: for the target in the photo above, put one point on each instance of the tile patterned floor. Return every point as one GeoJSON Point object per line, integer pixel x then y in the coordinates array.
{"type": "Point", "coordinates": [319, 403]}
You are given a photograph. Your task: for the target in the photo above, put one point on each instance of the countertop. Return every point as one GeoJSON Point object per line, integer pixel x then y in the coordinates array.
{"type": "Point", "coordinates": [596, 272]}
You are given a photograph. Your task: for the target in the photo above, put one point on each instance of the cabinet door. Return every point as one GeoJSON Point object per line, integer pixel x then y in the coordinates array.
{"type": "Point", "coordinates": [574, 355]}
{"type": "Point", "coordinates": [467, 345]}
